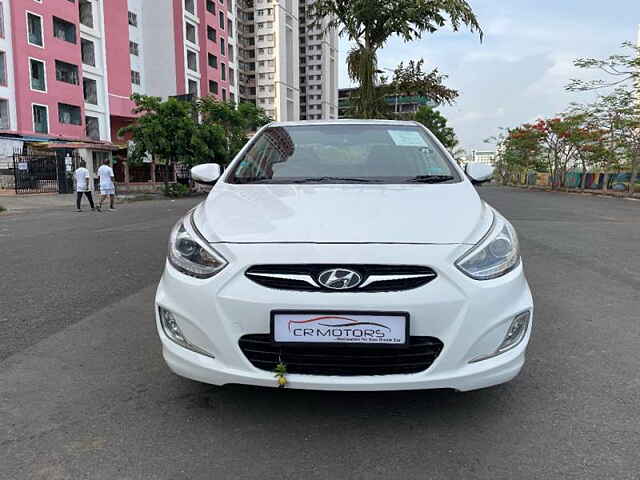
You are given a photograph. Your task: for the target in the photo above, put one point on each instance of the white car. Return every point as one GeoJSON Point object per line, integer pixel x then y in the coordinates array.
{"type": "Point", "coordinates": [344, 255]}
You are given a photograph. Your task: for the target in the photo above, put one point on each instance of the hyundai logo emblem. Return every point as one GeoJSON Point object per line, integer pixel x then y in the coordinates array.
{"type": "Point", "coordinates": [339, 279]}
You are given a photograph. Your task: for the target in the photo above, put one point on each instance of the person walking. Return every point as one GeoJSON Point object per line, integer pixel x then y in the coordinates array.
{"type": "Point", "coordinates": [107, 186]}
{"type": "Point", "coordinates": [81, 176]}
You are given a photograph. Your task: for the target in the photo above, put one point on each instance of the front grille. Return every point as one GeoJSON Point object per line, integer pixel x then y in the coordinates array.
{"type": "Point", "coordinates": [374, 278]}
{"type": "Point", "coordinates": [343, 360]}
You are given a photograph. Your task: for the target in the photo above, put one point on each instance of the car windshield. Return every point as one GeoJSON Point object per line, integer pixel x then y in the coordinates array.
{"type": "Point", "coordinates": [343, 153]}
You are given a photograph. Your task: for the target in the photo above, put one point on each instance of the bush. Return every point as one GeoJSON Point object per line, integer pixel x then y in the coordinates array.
{"type": "Point", "coordinates": [176, 190]}
{"type": "Point", "coordinates": [2, 209]}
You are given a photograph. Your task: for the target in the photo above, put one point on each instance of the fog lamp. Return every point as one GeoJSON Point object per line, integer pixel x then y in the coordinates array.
{"type": "Point", "coordinates": [516, 332]}
{"type": "Point", "coordinates": [173, 331]}
{"type": "Point", "coordinates": [513, 337]}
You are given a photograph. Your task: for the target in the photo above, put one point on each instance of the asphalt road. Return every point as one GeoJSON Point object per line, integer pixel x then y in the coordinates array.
{"type": "Point", "coordinates": [84, 392]}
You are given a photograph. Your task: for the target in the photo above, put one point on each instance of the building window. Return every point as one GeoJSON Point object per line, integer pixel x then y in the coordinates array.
{"type": "Point", "coordinates": [230, 27]}
{"type": "Point", "coordinates": [134, 48]}
{"type": "Point", "coordinates": [90, 89]}
{"type": "Point", "coordinates": [92, 127]}
{"type": "Point", "coordinates": [133, 19]}
{"type": "Point", "coordinates": [192, 61]}
{"type": "Point", "coordinates": [213, 87]}
{"type": "Point", "coordinates": [193, 87]}
{"type": "Point", "coordinates": [211, 7]}
{"type": "Point", "coordinates": [69, 114]}
{"type": "Point", "coordinates": [5, 123]}
{"type": "Point", "coordinates": [34, 29]}
{"type": "Point", "coordinates": [3, 69]}
{"type": "Point", "coordinates": [88, 50]}
{"type": "Point", "coordinates": [223, 72]}
{"type": "Point", "coordinates": [230, 52]}
{"type": "Point", "coordinates": [232, 80]}
{"type": "Point", "coordinates": [66, 72]}
{"type": "Point", "coordinates": [135, 77]}
{"type": "Point", "coordinates": [211, 33]}
{"type": "Point", "coordinates": [222, 49]}
{"type": "Point", "coordinates": [64, 30]}
{"type": "Point", "coordinates": [221, 20]}
{"type": "Point", "coordinates": [224, 95]}
{"type": "Point", "coordinates": [86, 13]}
{"type": "Point", "coordinates": [190, 32]}
{"type": "Point", "coordinates": [212, 60]}
{"type": "Point", "coordinates": [232, 97]}
{"type": "Point", "coordinates": [38, 75]}
{"type": "Point", "coordinates": [189, 6]}
{"type": "Point", "coordinates": [40, 119]}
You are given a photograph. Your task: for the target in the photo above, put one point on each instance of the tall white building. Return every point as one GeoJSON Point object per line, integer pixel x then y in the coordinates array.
{"type": "Point", "coordinates": [483, 156]}
{"type": "Point", "coordinates": [286, 66]}
{"type": "Point", "coordinates": [318, 67]}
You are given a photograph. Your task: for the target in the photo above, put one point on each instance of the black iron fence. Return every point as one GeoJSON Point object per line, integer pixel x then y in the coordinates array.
{"type": "Point", "coordinates": [44, 172]}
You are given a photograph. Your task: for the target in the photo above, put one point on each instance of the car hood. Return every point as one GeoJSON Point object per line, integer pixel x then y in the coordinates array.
{"type": "Point", "coordinates": [422, 214]}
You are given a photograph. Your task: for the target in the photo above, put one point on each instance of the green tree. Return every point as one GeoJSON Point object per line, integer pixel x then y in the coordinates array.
{"type": "Point", "coordinates": [370, 23]}
{"type": "Point", "coordinates": [618, 110]}
{"type": "Point", "coordinates": [437, 124]}
{"type": "Point", "coordinates": [412, 81]}
{"type": "Point", "coordinates": [622, 110]}
{"type": "Point", "coordinates": [518, 152]}
{"type": "Point", "coordinates": [620, 71]}
{"type": "Point", "coordinates": [207, 130]}
{"type": "Point", "coordinates": [166, 130]}
{"type": "Point", "coordinates": [236, 123]}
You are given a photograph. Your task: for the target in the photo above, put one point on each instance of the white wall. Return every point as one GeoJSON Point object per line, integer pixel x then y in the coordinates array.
{"type": "Point", "coordinates": [8, 92]}
{"type": "Point", "coordinates": [99, 72]}
{"type": "Point", "coordinates": [287, 79]}
{"type": "Point", "coordinates": [157, 46]}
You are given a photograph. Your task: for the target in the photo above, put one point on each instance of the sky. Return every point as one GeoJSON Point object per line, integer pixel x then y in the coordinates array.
{"type": "Point", "coordinates": [519, 71]}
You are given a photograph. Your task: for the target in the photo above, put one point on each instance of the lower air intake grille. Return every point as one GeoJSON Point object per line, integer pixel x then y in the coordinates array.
{"type": "Point", "coordinates": [344, 360]}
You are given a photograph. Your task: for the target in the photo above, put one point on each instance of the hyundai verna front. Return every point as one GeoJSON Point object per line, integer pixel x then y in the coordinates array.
{"type": "Point", "coordinates": [344, 255]}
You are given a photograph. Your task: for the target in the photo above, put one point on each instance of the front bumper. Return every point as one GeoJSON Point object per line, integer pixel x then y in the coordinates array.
{"type": "Point", "coordinates": [470, 317]}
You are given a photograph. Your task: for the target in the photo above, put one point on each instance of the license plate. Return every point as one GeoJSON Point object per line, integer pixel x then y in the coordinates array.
{"type": "Point", "coordinates": [339, 327]}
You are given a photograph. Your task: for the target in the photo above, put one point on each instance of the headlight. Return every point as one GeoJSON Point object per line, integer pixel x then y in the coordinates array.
{"type": "Point", "coordinates": [190, 253]}
{"type": "Point", "coordinates": [497, 253]}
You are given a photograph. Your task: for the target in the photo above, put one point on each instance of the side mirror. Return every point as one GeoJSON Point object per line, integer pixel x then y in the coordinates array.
{"type": "Point", "coordinates": [479, 172]}
{"type": "Point", "coordinates": [207, 173]}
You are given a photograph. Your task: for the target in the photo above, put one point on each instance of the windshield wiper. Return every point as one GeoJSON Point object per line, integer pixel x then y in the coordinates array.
{"type": "Point", "coordinates": [334, 179]}
{"type": "Point", "coordinates": [430, 179]}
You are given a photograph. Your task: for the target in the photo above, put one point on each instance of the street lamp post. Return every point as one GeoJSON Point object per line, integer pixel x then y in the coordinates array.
{"type": "Point", "coordinates": [396, 106]}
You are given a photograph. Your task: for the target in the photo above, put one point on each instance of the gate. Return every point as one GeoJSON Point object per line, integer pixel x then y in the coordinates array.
{"type": "Point", "coordinates": [43, 172]}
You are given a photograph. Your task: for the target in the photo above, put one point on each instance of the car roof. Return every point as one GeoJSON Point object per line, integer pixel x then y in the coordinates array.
{"type": "Point", "coordinates": [354, 121]}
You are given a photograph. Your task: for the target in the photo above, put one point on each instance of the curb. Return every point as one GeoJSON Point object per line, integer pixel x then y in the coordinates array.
{"type": "Point", "coordinates": [593, 193]}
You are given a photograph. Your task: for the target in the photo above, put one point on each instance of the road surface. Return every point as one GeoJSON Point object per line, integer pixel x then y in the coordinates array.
{"type": "Point", "coordinates": [84, 392]}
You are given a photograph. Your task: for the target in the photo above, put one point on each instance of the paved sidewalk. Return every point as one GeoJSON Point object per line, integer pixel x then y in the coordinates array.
{"type": "Point", "coordinates": [23, 203]}
{"type": "Point", "coordinates": [46, 201]}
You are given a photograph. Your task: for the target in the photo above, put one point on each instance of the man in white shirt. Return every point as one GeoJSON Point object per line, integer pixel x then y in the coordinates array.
{"type": "Point", "coordinates": [82, 177]}
{"type": "Point", "coordinates": [107, 187]}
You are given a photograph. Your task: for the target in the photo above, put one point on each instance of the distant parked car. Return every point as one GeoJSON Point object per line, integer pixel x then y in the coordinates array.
{"type": "Point", "coordinates": [621, 182]}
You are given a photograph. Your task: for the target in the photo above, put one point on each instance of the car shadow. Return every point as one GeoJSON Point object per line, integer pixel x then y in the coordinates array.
{"type": "Point", "coordinates": [288, 404]}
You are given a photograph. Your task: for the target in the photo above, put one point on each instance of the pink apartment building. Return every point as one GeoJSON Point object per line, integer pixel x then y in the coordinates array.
{"type": "Point", "coordinates": [69, 67]}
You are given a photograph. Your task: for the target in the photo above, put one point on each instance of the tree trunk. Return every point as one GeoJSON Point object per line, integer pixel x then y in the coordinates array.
{"type": "Point", "coordinates": [166, 175]}
{"type": "Point", "coordinates": [605, 182]}
{"type": "Point", "coordinates": [634, 176]}
{"type": "Point", "coordinates": [583, 180]}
